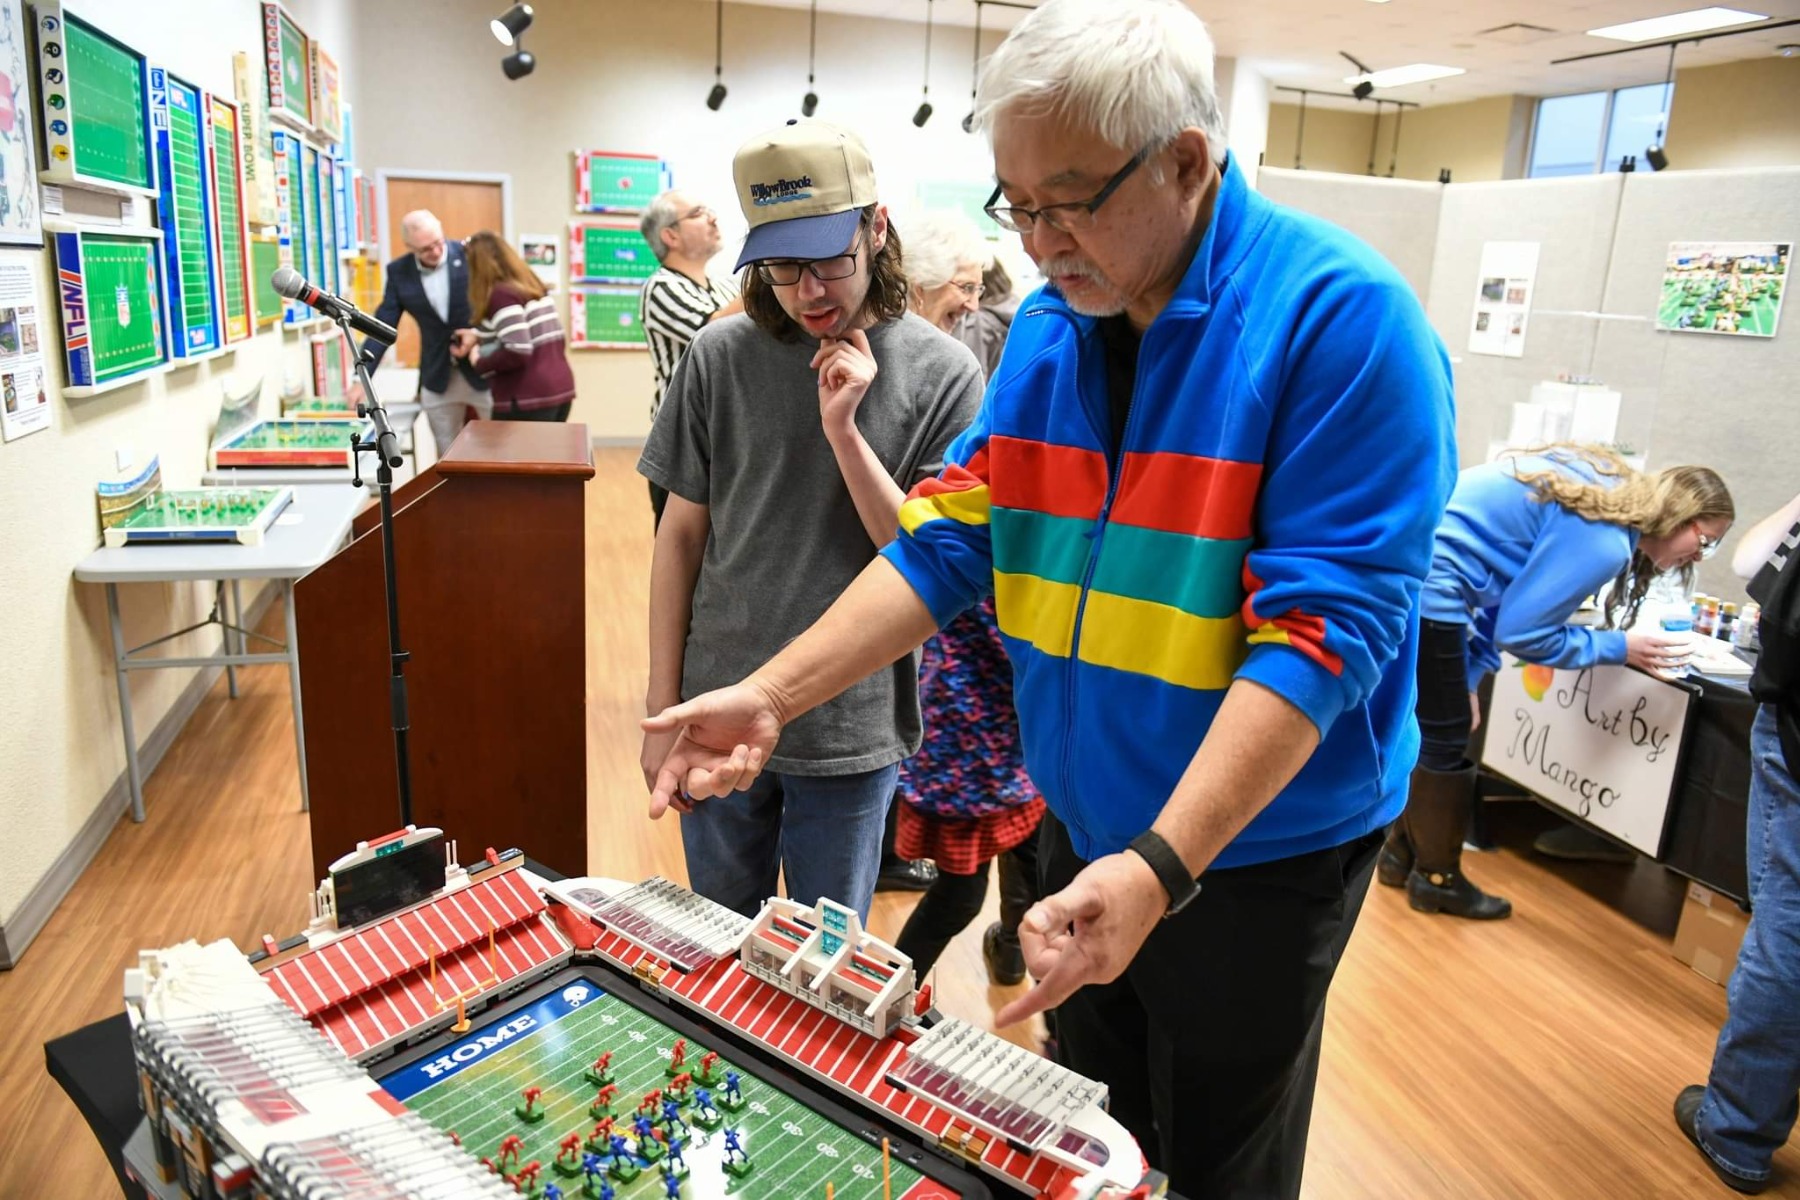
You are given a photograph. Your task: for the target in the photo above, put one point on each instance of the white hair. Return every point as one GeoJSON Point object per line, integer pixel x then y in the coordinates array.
{"type": "Point", "coordinates": [662, 214]}
{"type": "Point", "coordinates": [1135, 72]}
{"type": "Point", "coordinates": [937, 244]}
{"type": "Point", "coordinates": [415, 221]}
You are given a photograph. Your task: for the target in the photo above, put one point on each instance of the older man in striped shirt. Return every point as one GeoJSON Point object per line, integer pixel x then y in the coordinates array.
{"type": "Point", "coordinates": [681, 298]}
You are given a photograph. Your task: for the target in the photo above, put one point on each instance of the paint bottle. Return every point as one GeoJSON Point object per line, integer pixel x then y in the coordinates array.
{"type": "Point", "coordinates": [1747, 634]}
{"type": "Point", "coordinates": [1728, 615]}
{"type": "Point", "coordinates": [1707, 619]}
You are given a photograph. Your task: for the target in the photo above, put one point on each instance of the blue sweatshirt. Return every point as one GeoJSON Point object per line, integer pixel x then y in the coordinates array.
{"type": "Point", "coordinates": [1516, 568]}
{"type": "Point", "coordinates": [1288, 453]}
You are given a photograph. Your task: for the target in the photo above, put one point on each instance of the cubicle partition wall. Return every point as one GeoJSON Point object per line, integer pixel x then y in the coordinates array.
{"type": "Point", "coordinates": [1399, 217]}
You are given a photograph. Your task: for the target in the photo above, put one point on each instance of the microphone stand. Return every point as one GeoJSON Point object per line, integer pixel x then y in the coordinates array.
{"type": "Point", "coordinates": [382, 443]}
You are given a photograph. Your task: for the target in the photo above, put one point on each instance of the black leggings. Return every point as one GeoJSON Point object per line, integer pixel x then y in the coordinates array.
{"type": "Point", "coordinates": [953, 901]}
{"type": "Point", "coordinates": [1443, 705]}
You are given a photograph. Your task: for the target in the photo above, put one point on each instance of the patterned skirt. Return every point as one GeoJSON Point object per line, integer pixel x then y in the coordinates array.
{"type": "Point", "coordinates": [965, 796]}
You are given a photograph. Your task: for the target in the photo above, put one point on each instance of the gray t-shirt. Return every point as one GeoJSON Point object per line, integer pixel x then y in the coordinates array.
{"type": "Point", "coordinates": [739, 432]}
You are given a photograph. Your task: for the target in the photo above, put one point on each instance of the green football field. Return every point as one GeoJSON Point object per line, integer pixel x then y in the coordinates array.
{"type": "Point", "coordinates": [795, 1151]}
{"type": "Point", "coordinates": [1759, 319]}
{"type": "Point", "coordinates": [297, 435]}
{"type": "Point", "coordinates": [124, 304]}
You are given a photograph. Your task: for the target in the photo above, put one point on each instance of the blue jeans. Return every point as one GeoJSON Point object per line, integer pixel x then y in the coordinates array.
{"type": "Point", "coordinates": [1750, 1103]}
{"type": "Point", "coordinates": [824, 831]}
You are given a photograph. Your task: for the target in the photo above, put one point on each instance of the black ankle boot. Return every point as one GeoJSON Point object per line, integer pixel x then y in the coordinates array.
{"type": "Point", "coordinates": [1455, 895]}
{"type": "Point", "coordinates": [1396, 860]}
{"type": "Point", "coordinates": [1436, 818]}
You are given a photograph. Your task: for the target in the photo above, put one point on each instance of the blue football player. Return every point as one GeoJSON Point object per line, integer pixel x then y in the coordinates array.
{"type": "Point", "coordinates": [590, 1167]}
{"type": "Point", "coordinates": [732, 1094]}
{"type": "Point", "coordinates": [619, 1157]}
{"type": "Point", "coordinates": [641, 1125]}
{"type": "Point", "coordinates": [552, 1192]}
{"type": "Point", "coordinates": [675, 1159]}
{"type": "Point", "coordinates": [732, 1147]}
{"type": "Point", "coordinates": [671, 1117]}
{"type": "Point", "coordinates": [672, 1187]}
{"type": "Point", "coordinates": [703, 1105]}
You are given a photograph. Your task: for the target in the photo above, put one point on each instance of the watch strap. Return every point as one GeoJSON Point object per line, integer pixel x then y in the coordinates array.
{"type": "Point", "coordinates": [1171, 872]}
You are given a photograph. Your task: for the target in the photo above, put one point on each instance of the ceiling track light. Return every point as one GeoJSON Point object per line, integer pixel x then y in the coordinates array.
{"type": "Point", "coordinates": [809, 103]}
{"type": "Point", "coordinates": [519, 63]}
{"type": "Point", "coordinates": [508, 26]}
{"type": "Point", "coordinates": [716, 97]}
{"type": "Point", "coordinates": [924, 110]}
{"type": "Point", "coordinates": [968, 122]}
{"type": "Point", "coordinates": [1654, 154]}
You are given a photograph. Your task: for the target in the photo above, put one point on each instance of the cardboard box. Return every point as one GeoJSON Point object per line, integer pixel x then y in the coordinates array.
{"type": "Point", "coordinates": [1711, 929]}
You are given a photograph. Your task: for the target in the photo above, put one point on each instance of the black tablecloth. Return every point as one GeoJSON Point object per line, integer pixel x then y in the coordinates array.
{"type": "Point", "coordinates": [1712, 788]}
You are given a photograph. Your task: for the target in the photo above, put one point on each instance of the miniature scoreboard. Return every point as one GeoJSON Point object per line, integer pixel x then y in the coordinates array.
{"type": "Point", "coordinates": [225, 514]}
{"type": "Point", "coordinates": [96, 96]}
{"type": "Point", "coordinates": [604, 318]}
{"type": "Point", "coordinates": [290, 443]}
{"type": "Point", "coordinates": [185, 213]}
{"type": "Point", "coordinates": [109, 281]}
{"type": "Point", "coordinates": [613, 182]}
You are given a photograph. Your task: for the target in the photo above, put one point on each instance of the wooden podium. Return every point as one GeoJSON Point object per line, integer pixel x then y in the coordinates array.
{"type": "Point", "coordinates": [490, 558]}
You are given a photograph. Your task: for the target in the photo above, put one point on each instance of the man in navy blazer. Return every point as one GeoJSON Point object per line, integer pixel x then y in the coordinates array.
{"type": "Point", "coordinates": [431, 282]}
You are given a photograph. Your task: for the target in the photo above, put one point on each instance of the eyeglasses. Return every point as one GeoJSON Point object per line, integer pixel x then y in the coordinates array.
{"type": "Point", "coordinates": [1708, 545]}
{"type": "Point", "coordinates": [703, 211]}
{"type": "Point", "coordinates": [1070, 217]}
{"type": "Point", "coordinates": [971, 290]}
{"type": "Point", "coordinates": [785, 272]}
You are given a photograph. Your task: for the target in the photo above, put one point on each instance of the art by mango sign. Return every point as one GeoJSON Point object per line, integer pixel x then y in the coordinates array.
{"type": "Point", "coordinates": [1601, 742]}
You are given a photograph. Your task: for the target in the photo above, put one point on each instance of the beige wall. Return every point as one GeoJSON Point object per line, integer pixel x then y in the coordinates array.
{"type": "Point", "coordinates": [1337, 139]}
{"type": "Point", "coordinates": [60, 749]}
{"type": "Point", "coordinates": [634, 77]}
{"type": "Point", "coordinates": [1743, 114]}
{"type": "Point", "coordinates": [1479, 140]}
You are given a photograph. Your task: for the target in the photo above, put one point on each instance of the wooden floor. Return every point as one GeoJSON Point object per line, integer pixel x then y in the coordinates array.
{"type": "Point", "coordinates": [1532, 1058]}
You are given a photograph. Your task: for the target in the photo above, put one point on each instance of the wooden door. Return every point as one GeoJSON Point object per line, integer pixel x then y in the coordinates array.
{"type": "Point", "coordinates": [463, 206]}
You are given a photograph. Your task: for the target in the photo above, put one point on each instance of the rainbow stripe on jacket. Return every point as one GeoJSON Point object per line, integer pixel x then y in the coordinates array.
{"type": "Point", "coordinates": [1289, 451]}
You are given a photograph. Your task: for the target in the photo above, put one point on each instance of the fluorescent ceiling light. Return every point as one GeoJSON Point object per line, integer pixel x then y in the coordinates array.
{"type": "Point", "coordinates": [1697, 20]}
{"type": "Point", "coordinates": [1400, 76]}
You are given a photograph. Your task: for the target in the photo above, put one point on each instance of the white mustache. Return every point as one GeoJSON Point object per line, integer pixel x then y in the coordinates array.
{"type": "Point", "coordinates": [1068, 266]}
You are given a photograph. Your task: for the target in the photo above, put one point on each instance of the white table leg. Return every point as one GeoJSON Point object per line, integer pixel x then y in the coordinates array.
{"type": "Point", "coordinates": [131, 760]}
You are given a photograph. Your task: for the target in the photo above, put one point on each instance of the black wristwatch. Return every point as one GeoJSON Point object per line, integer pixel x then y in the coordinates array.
{"type": "Point", "coordinates": [1171, 872]}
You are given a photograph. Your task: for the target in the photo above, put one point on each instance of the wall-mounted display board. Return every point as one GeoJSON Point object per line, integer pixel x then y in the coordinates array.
{"type": "Point", "coordinates": [292, 204]}
{"type": "Point", "coordinates": [185, 214]}
{"type": "Point", "coordinates": [312, 264]}
{"type": "Point", "coordinates": [96, 97]}
{"type": "Point", "coordinates": [608, 181]}
{"type": "Point", "coordinates": [266, 303]}
{"type": "Point", "coordinates": [253, 132]}
{"type": "Point", "coordinates": [327, 95]}
{"type": "Point", "coordinates": [604, 318]}
{"type": "Point", "coordinates": [343, 203]}
{"type": "Point", "coordinates": [21, 217]}
{"type": "Point", "coordinates": [1723, 287]}
{"type": "Point", "coordinates": [287, 60]}
{"type": "Point", "coordinates": [110, 283]}
{"type": "Point", "coordinates": [366, 209]}
{"type": "Point", "coordinates": [609, 252]}
{"type": "Point", "coordinates": [328, 238]}
{"type": "Point", "coordinates": [230, 238]}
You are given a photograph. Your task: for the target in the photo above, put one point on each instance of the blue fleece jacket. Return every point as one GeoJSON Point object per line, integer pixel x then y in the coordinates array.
{"type": "Point", "coordinates": [1287, 457]}
{"type": "Point", "coordinates": [1516, 568]}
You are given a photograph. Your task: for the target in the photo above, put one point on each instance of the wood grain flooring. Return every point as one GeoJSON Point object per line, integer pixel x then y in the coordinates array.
{"type": "Point", "coordinates": [1536, 1057]}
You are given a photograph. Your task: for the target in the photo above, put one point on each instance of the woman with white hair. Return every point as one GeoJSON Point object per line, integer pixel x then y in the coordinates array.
{"type": "Point", "coordinates": [964, 798]}
{"type": "Point", "coordinates": [945, 258]}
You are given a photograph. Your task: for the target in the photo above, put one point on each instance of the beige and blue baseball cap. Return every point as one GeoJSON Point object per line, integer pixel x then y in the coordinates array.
{"type": "Point", "coordinates": [803, 187]}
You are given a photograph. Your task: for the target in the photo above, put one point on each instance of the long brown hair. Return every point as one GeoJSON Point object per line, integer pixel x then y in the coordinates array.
{"type": "Point", "coordinates": [1655, 504]}
{"type": "Point", "coordinates": [492, 261]}
{"type": "Point", "coordinates": [886, 299]}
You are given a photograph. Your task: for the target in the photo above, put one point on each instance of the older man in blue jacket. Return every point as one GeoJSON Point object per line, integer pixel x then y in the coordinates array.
{"type": "Point", "coordinates": [1202, 488]}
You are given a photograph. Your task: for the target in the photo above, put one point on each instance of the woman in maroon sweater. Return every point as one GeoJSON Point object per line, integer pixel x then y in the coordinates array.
{"type": "Point", "coordinates": [518, 343]}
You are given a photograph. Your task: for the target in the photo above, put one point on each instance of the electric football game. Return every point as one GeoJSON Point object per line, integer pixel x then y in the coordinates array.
{"type": "Point", "coordinates": [440, 1031]}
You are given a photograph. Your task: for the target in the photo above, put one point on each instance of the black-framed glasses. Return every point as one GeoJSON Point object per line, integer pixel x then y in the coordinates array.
{"type": "Point", "coordinates": [1070, 217]}
{"type": "Point", "coordinates": [785, 272]}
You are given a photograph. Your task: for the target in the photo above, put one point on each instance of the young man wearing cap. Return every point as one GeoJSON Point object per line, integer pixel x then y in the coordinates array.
{"type": "Point", "coordinates": [787, 440]}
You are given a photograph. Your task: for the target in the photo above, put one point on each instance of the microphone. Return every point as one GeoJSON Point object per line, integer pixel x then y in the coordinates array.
{"type": "Point", "coordinates": [290, 283]}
